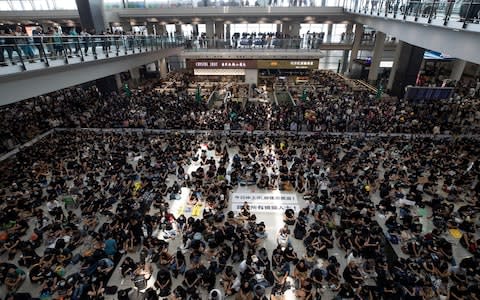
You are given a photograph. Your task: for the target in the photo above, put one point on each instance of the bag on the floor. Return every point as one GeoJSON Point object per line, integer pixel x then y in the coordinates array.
{"type": "Point", "coordinates": [197, 210]}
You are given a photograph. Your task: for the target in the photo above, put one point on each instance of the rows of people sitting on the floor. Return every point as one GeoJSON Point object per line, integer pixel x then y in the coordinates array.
{"type": "Point", "coordinates": [330, 106]}
{"type": "Point", "coordinates": [77, 205]}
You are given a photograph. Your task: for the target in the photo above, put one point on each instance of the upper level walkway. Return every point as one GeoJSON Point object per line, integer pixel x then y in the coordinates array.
{"type": "Point", "coordinates": [32, 67]}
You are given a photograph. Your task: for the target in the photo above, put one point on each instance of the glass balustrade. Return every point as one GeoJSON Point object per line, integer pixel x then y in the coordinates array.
{"type": "Point", "coordinates": [109, 4]}
{"type": "Point", "coordinates": [445, 11]}
{"type": "Point", "coordinates": [21, 53]}
{"type": "Point", "coordinates": [307, 43]}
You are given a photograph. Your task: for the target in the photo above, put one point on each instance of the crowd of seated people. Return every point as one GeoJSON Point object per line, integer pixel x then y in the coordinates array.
{"type": "Point", "coordinates": [124, 186]}
{"type": "Point", "coordinates": [332, 106]}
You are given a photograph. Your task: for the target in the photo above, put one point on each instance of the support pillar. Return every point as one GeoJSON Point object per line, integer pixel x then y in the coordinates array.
{"type": "Point", "coordinates": [195, 29]}
{"type": "Point", "coordinates": [356, 45]}
{"type": "Point", "coordinates": [107, 85]}
{"type": "Point", "coordinates": [286, 29]}
{"type": "Point", "coordinates": [457, 69]}
{"type": "Point", "coordinates": [118, 81]}
{"type": "Point", "coordinates": [407, 62]}
{"type": "Point", "coordinates": [344, 61]}
{"type": "Point", "coordinates": [126, 27]}
{"type": "Point", "coordinates": [91, 15]}
{"type": "Point", "coordinates": [329, 33]}
{"type": "Point", "coordinates": [210, 30]}
{"type": "Point", "coordinates": [135, 75]}
{"type": "Point", "coordinates": [279, 29]}
{"type": "Point", "coordinates": [219, 32]}
{"type": "Point", "coordinates": [178, 30]}
{"type": "Point", "coordinates": [377, 56]}
{"type": "Point", "coordinates": [228, 35]}
{"type": "Point", "coordinates": [348, 33]}
{"type": "Point", "coordinates": [162, 67]}
{"type": "Point", "coordinates": [295, 30]}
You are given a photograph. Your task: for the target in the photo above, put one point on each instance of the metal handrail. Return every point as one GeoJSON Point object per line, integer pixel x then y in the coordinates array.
{"type": "Point", "coordinates": [465, 11]}
{"type": "Point", "coordinates": [21, 50]}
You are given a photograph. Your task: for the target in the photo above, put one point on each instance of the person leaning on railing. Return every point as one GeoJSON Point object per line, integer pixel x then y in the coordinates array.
{"type": "Point", "coordinates": [38, 41]}
{"type": "Point", "coordinates": [24, 43]}
{"type": "Point", "coordinates": [2, 48]}
{"type": "Point", "coordinates": [85, 39]}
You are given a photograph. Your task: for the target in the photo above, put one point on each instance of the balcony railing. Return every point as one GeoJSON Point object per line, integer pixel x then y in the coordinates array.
{"type": "Point", "coordinates": [220, 3]}
{"type": "Point", "coordinates": [22, 53]}
{"type": "Point", "coordinates": [465, 11]}
{"type": "Point", "coordinates": [305, 43]}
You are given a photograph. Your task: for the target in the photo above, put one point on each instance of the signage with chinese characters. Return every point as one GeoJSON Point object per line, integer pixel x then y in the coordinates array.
{"type": "Point", "coordinates": [265, 202]}
{"type": "Point", "coordinates": [222, 64]}
{"type": "Point", "coordinates": [288, 64]}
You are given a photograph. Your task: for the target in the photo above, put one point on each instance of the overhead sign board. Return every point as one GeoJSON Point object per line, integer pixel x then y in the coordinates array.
{"type": "Point", "coordinates": [288, 64]}
{"type": "Point", "coordinates": [222, 64]}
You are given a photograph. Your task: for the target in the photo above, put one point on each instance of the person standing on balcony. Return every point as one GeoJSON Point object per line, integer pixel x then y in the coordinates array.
{"type": "Point", "coordinates": [85, 40]}
{"type": "Point", "coordinates": [4, 46]}
{"type": "Point", "coordinates": [37, 33]}
{"type": "Point", "coordinates": [24, 43]}
{"type": "Point", "coordinates": [74, 39]}
{"type": "Point", "coordinates": [48, 41]}
{"type": "Point", "coordinates": [57, 41]}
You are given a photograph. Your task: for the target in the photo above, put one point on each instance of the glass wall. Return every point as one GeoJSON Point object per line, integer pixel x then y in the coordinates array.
{"type": "Point", "coordinates": [9, 5]}
{"type": "Point", "coordinates": [253, 28]}
{"type": "Point", "coordinates": [113, 3]}
{"type": "Point", "coordinates": [338, 31]}
{"type": "Point", "coordinates": [218, 3]}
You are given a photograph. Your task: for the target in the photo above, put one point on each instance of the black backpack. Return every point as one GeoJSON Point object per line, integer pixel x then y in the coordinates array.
{"type": "Point", "coordinates": [299, 231]}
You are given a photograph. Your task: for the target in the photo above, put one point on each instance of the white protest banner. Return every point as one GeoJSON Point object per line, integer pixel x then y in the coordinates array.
{"type": "Point", "coordinates": [267, 202]}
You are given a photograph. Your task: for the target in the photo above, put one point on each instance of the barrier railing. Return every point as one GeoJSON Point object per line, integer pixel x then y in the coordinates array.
{"type": "Point", "coordinates": [466, 11]}
{"type": "Point", "coordinates": [222, 3]}
{"type": "Point", "coordinates": [24, 50]}
{"type": "Point", "coordinates": [263, 42]}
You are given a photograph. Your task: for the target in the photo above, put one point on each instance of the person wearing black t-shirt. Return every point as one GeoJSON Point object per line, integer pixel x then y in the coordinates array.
{"type": "Point", "coordinates": [458, 292]}
{"type": "Point", "coordinates": [352, 275]}
{"type": "Point", "coordinates": [346, 291]}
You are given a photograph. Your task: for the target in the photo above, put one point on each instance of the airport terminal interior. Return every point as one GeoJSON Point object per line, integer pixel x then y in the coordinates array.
{"type": "Point", "coordinates": [239, 149]}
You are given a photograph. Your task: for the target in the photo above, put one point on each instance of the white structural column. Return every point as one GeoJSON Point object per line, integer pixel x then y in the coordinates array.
{"type": "Point", "coordinates": [457, 69]}
{"type": "Point", "coordinates": [357, 40]}
{"type": "Point", "coordinates": [377, 56]}
{"type": "Point", "coordinates": [162, 67]}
